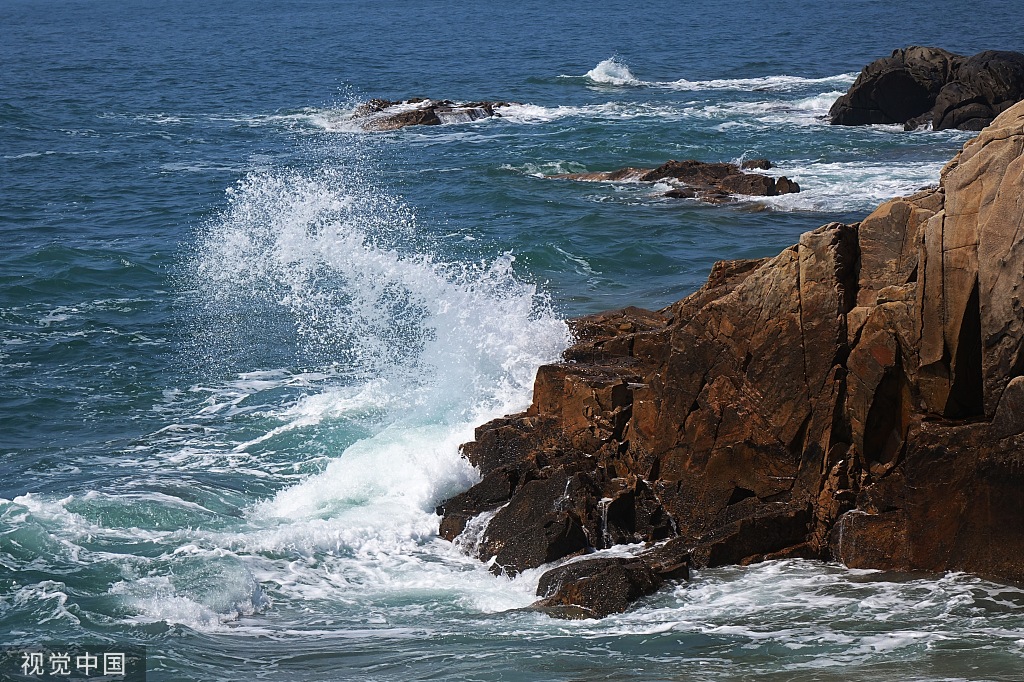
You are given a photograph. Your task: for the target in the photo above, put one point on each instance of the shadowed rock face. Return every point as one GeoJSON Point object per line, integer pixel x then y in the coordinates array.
{"type": "Point", "coordinates": [920, 84]}
{"type": "Point", "coordinates": [860, 397]}
{"type": "Point", "coordinates": [382, 114]}
{"type": "Point", "coordinates": [711, 182]}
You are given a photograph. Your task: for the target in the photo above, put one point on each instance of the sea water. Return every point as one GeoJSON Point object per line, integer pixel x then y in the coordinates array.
{"type": "Point", "coordinates": [241, 340]}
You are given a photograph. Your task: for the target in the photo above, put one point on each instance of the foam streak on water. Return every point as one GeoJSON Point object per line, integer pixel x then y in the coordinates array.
{"type": "Point", "coordinates": [613, 72]}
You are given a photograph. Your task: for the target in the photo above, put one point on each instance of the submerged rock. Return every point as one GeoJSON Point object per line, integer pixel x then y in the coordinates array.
{"type": "Point", "coordinates": [857, 397]}
{"type": "Point", "coordinates": [383, 114]}
{"type": "Point", "coordinates": [711, 182]}
{"type": "Point", "coordinates": [917, 85]}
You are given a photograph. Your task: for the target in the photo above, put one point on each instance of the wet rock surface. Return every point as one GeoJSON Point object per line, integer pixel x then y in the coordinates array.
{"type": "Point", "coordinates": [918, 85]}
{"type": "Point", "coordinates": [383, 114]}
{"type": "Point", "coordinates": [857, 397]}
{"type": "Point", "coordinates": [599, 586]}
{"type": "Point", "coordinates": [691, 179]}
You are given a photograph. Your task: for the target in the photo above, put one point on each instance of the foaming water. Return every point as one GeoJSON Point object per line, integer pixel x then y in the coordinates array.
{"type": "Point", "coordinates": [340, 121]}
{"type": "Point", "coordinates": [825, 186]}
{"type": "Point", "coordinates": [781, 83]}
{"type": "Point", "coordinates": [852, 185]}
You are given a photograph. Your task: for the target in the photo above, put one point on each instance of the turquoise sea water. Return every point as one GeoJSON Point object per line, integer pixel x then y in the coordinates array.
{"type": "Point", "coordinates": [241, 340]}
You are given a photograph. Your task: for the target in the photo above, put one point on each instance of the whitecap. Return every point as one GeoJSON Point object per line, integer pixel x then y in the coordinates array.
{"type": "Point", "coordinates": [780, 83]}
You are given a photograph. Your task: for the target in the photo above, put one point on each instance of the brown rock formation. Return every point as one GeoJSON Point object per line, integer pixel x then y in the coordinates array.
{"type": "Point", "coordinates": [383, 114]}
{"type": "Point", "coordinates": [921, 84]}
{"type": "Point", "coordinates": [858, 397]}
{"type": "Point", "coordinates": [711, 182]}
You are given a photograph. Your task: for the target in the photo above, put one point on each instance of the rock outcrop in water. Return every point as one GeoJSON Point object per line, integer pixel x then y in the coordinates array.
{"type": "Point", "coordinates": [383, 114]}
{"type": "Point", "coordinates": [858, 397]}
{"type": "Point", "coordinates": [711, 182]}
{"type": "Point", "coordinates": [920, 84]}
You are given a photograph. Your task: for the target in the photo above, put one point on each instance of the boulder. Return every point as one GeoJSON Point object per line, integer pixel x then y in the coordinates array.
{"type": "Point", "coordinates": [597, 587]}
{"type": "Point", "coordinates": [594, 587]}
{"type": "Point", "coordinates": [383, 114]}
{"type": "Point", "coordinates": [709, 182]}
{"type": "Point", "coordinates": [917, 85]}
{"type": "Point", "coordinates": [858, 397]}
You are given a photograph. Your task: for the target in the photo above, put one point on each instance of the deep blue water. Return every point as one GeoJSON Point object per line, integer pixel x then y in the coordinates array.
{"type": "Point", "coordinates": [241, 340]}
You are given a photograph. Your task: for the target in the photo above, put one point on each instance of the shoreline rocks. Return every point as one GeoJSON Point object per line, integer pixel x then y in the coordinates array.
{"type": "Point", "coordinates": [379, 115]}
{"type": "Point", "coordinates": [919, 85]}
{"type": "Point", "coordinates": [858, 397]}
{"type": "Point", "coordinates": [710, 182]}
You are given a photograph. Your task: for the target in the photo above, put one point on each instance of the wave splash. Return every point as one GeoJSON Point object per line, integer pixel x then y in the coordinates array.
{"type": "Point", "coordinates": [613, 72]}
{"type": "Point", "coordinates": [441, 344]}
{"type": "Point", "coordinates": [386, 332]}
{"type": "Point", "coordinates": [437, 346]}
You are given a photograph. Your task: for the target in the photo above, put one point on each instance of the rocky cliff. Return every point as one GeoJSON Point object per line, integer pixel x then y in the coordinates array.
{"type": "Point", "coordinates": [858, 397]}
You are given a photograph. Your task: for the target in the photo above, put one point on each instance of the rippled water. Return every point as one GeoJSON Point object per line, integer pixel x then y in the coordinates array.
{"type": "Point", "coordinates": [241, 340]}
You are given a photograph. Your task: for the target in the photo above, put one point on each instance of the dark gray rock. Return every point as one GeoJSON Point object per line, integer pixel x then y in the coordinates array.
{"type": "Point", "coordinates": [540, 524]}
{"type": "Point", "coordinates": [917, 85]}
{"type": "Point", "coordinates": [897, 88]}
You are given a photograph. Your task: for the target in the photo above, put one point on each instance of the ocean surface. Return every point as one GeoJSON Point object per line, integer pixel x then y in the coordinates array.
{"type": "Point", "coordinates": [241, 340]}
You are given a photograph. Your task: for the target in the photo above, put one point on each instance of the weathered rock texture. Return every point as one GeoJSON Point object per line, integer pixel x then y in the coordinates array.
{"type": "Point", "coordinates": [383, 114]}
{"type": "Point", "coordinates": [921, 84]}
{"type": "Point", "coordinates": [711, 182]}
{"type": "Point", "coordinates": [858, 397]}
